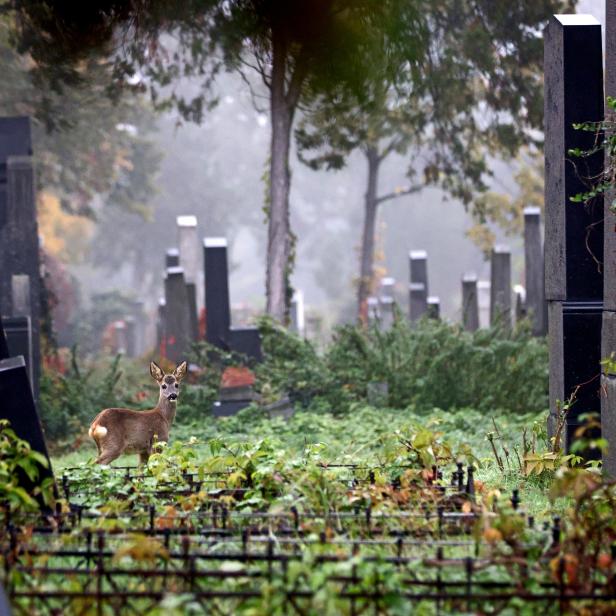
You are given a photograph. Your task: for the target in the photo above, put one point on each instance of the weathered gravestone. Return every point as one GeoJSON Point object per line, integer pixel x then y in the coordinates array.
{"type": "Point", "coordinates": [418, 288]}
{"type": "Point", "coordinates": [470, 303]}
{"type": "Point", "coordinates": [519, 308]}
{"type": "Point", "coordinates": [161, 330]}
{"type": "Point", "coordinates": [218, 331]}
{"type": "Point", "coordinates": [190, 254]}
{"type": "Point", "coordinates": [178, 328]}
{"type": "Point", "coordinates": [172, 258]}
{"type": "Point", "coordinates": [573, 232]}
{"type": "Point", "coordinates": [19, 243]}
{"type": "Point", "coordinates": [608, 341]}
{"type": "Point", "coordinates": [130, 331]}
{"type": "Point", "coordinates": [534, 270]}
{"type": "Point", "coordinates": [191, 294]}
{"type": "Point", "coordinates": [500, 288]}
{"type": "Point", "coordinates": [373, 310]}
{"type": "Point", "coordinates": [387, 302]}
{"type": "Point", "coordinates": [297, 317]}
{"type": "Point", "coordinates": [433, 307]}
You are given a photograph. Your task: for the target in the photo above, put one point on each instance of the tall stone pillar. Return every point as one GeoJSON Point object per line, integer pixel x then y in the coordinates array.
{"type": "Point", "coordinates": [500, 288]}
{"type": "Point", "coordinates": [470, 303]}
{"type": "Point", "coordinates": [190, 254]}
{"type": "Point", "coordinates": [534, 270]}
{"type": "Point", "coordinates": [177, 316]}
{"type": "Point", "coordinates": [573, 232]}
{"type": "Point", "coordinates": [418, 288]}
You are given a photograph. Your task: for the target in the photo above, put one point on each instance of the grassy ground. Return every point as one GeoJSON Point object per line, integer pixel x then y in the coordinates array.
{"type": "Point", "coordinates": [358, 437]}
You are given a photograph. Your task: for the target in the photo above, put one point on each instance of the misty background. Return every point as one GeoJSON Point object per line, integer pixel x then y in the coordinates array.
{"type": "Point", "coordinates": [215, 172]}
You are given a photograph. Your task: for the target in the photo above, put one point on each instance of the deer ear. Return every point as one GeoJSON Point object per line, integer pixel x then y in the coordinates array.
{"type": "Point", "coordinates": [180, 372]}
{"type": "Point", "coordinates": [156, 371]}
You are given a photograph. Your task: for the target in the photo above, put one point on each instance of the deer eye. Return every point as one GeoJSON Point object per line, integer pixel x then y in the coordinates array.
{"type": "Point", "coordinates": [176, 385]}
{"type": "Point", "coordinates": [164, 386]}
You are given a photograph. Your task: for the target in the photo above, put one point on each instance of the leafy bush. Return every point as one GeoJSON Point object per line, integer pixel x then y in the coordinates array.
{"type": "Point", "coordinates": [70, 401]}
{"type": "Point", "coordinates": [431, 364]}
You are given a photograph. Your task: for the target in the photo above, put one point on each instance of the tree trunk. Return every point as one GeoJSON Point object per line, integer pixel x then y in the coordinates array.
{"type": "Point", "coordinates": [368, 236]}
{"type": "Point", "coordinates": [279, 231]}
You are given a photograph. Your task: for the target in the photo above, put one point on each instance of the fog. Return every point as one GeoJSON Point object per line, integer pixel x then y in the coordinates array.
{"type": "Point", "coordinates": [215, 171]}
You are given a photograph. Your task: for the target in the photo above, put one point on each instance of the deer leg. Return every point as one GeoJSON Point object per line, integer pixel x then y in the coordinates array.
{"type": "Point", "coordinates": [143, 458]}
{"type": "Point", "coordinates": [108, 455]}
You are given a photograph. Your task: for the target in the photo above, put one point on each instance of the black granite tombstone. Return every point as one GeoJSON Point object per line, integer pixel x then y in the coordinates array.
{"type": "Point", "coordinates": [19, 340]}
{"type": "Point", "coordinates": [573, 232]}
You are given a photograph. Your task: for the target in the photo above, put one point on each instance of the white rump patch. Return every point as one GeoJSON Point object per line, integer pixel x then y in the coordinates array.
{"type": "Point", "coordinates": [98, 432]}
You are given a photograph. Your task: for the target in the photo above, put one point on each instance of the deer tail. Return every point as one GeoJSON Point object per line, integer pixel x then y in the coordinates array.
{"type": "Point", "coordinates": [97, 431]}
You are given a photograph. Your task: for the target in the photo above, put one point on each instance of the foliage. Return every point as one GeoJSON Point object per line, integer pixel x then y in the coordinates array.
{"type": "Point", "coordinates": [70, 401]}
{"type": "Point", "coordinates": [18, 459]}
{"type": "Point", "coordinates": [85, 144]}
{"type": "Point", "coordinates": [433, 364]}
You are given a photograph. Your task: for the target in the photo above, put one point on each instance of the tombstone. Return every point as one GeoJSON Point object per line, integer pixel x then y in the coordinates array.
{"type": "Point", "coordinates": [418, 304]}
{"type": "Point", "coordinates": [386, 312]}
{"type": "Point", "coordinates": [534, 270]}
{"type": "Point", "coordinates": [178, 326]}
{"type": "Point", "coordinates": [17, 405]}
{"type": "Point", "coordinates": [573, 232]}
{"type": "Point", "coordinates": [244, 341]}
{"type": "Point", "coordinates": [18, 332]}
{"type": "Point", "coordinates": [20, 295]}
{"type": "Point", "coordinates": [19, 242]}
{"type": "Point", "coordinates": [418, 289]}
{"type": "Point", "coordinates": [520, 310]}
{"type": "Point", "coordinates": [483, 299]}
{"type": "Point", "coordinates": [172, 258]}
{"type": "Point", "coordinates": [373, 310]}
{"type": "Point", "coordinates": [434, 307]}
{"type": "Point", "coordinates": [500, 288]}
{"type": "Point", "coordinates": [608, 336]}
{"type": "Point", "coordinates": [470, 303]}
{"type": "Point", "coordinates": [219, 332]}
{"type": "Point", "coordinates": [191, 293]}
{"type": "Point", "coordinates": [190, 255]}
{"type": "Point", "coordinates": [297, 317]}
{"type": "Point", "coordinates": [130, 336]}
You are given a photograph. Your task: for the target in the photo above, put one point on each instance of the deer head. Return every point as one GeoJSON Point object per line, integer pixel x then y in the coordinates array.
{"type": "Point", "coordinates": [169, 384]}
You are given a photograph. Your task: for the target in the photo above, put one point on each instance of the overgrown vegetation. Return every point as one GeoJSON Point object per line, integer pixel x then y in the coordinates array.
{"type": "Point", "coordinates": [431, 365]}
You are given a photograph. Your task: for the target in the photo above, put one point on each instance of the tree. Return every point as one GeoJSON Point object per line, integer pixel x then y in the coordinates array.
{"type": "Point", "coordinates": [475, 91]}
{"type": "Point", "coordinates": [85, 144]}
{"type": "Point", "coordinates": [295, 48]}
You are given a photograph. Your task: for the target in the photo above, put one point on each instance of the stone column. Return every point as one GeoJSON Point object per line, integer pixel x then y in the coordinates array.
{"type": "Point", "coordinates": [177, 316]}
{"type": "Point", "coordinates": [130, 333]}
{"type": "Point", "coordinates": [217, 303]}
{"type": "Point", "coordinates": [519, 307]}
{"type": "Point", "coordinates": [470, 303]}
{"type": "Point", "coordinates": [161, 330]}
{"type": "Point", "coordinates": [608, 339]}
{"type": "Point", "coordinates": [191, 293]}
{"type": "Point", "coordinates": [534, 270]}
{"type": "Point", "coordinates": [119, 338]}
{"type": "Point", "coordinates": [20, 292]}
{"type": "Point", "coordinates": [500, 288]}
{"type": "Point", "coordinates": [297, 323]}
{"type": "Point", "coordinates": [418, 288]}
{"type": "Point", "coordinates": [373, 310]}
{"type": "Point", "coordinates": [483, 299]}
{"type": "Point", "coordinates": [573, 232]}
{"type": "Point", "coordinates": [172, 258]}
{"type": "Point", "coordinates": [387, 302]}
{"type": "Point", "coordinates": [434, 307]}
{"type": "Point", "coordinates": [190, 253]}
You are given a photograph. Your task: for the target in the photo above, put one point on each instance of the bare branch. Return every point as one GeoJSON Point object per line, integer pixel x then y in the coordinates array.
{"type": "Point", "coordinates": [400, 193]}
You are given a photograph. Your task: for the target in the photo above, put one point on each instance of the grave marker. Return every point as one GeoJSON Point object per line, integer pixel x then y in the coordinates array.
{"type": "Point", "coordinates": [18, 332]}
{"type": "Point", "coordinates": [19, 243]}
{"type": "Point", "coordinates": [177, 316]}
{"type": "Point", "coordinates": [373, 310]}
{"type": "Point", "coordinates": [130, 336]}
{"type": "Point", "coordinates": [297, 317]}
{"type": "Point", "coordinates": [172, 258]}
{"type": "Point", "coordinates": [608, 336]}
{"type": "Point", "coordinates": [500, 288]}
{"type": "Point", "coordinates": [20, 295]}
{"type": "Point", "coordinates": [573, 232]}
{"type": "Point", "coordinates": [434, 307]}
{"type": "Point", "coordinates": [190, 255]}
{"type": "Point", "coordinates": [534, 270]}
{"type": "Point", "coordinates": [470, 303]}
{"type": "Point", "coordinates": [418, 289]}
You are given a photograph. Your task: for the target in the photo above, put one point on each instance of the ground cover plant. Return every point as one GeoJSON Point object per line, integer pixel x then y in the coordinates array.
{"type": "Point", "coordinates": [416, 501]}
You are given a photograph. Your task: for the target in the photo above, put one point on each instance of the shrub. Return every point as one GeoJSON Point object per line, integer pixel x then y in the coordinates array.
{"type": "Point", "coordinates": [426, 365]}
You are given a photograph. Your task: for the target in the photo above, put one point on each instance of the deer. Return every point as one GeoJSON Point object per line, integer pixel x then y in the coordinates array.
{"type": "Point", "coordinates": [118, 431]}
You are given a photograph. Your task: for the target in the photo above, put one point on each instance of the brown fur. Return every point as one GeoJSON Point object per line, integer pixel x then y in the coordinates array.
{"type": "Point", "coordinates": [118, 431]}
